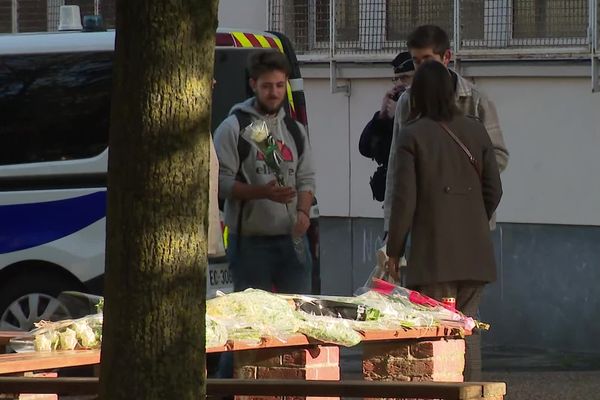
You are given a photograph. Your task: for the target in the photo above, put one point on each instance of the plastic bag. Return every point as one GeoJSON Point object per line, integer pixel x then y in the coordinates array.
{"type": "Point", "coordinates": [380, 271]}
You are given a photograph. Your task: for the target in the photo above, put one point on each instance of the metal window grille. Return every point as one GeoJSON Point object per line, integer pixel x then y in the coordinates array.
{"type": "Point", "coordinates": [549, 20]}
{"type": "Point", "coordinates": [43, 15]}
{"type": "Point", "coordinates": [402, 16]}
{"type": "Point", "coordinates": [53, 7]}
{"type": "Point", "coordinates": [492, 27]}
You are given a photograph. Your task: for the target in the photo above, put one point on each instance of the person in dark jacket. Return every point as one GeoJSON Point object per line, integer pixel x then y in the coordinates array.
{"type": "Point", "coordinates": [444, 200]}
{"type": "Point", "coordinates": [376, 138]}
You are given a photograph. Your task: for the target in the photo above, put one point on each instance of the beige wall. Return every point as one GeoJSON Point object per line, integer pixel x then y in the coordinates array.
{"type": "Point", "coordinates": [551, 127]}
{"type": "Point", "coordinates": [243, 14]}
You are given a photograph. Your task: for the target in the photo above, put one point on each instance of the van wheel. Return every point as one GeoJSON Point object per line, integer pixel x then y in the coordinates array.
{"type": "Point", "coordinates": [25, 300]}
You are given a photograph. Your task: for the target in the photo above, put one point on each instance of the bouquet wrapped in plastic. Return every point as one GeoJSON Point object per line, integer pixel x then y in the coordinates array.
{"type": "Point", "coordinates": [82, 333]}
{"type": "Point", "coordinates": [440, 312]}
{"type": "Point", "coordinates": [329, 329]}
{"type": "Point", "coordinates": [253, 314]}
{"type": "Point", "coordinates": [216, 333]}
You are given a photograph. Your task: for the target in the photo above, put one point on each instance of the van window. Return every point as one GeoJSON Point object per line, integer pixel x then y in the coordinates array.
{"type": "Point", "coordinates": [54, 106]}
{"type": "Point", "coordinates": [57, 106]}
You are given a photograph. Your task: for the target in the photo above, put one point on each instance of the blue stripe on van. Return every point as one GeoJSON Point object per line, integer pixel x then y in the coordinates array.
{"type": "Point", "coordinates": [23, 226]}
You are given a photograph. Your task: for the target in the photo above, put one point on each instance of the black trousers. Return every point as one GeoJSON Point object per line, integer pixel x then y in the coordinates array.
{"type": "Point", "coordinates": [468, 296]}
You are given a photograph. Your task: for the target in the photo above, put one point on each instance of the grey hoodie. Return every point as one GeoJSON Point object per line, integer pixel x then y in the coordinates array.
{"type": "Point", "coordinates": [261, 217]}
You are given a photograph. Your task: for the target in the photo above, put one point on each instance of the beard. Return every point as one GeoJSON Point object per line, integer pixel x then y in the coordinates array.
{"type": "Point", "coordinates": [266, 109]}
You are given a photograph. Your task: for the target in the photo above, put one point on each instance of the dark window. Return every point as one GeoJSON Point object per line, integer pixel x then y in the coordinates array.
{"type": "Point", "coordinates": [550, 18]}
{"type": "Point", "coordinates": [57, 106]}
{"type": "Point", "coordinates": [54, 106]}
{"type": "Point", "coordinates": [402, 16]}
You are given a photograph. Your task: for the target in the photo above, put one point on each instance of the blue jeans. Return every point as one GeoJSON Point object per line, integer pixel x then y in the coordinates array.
{"type": "Point", "coordinates": [270, 263]}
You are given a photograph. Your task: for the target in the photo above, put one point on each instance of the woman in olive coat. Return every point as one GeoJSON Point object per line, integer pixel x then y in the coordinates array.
{"type": "Point", "coordinates": [446, 188]}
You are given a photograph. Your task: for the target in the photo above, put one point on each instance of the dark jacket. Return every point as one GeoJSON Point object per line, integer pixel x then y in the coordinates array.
{"type": "Point", "coordinates": [438, 197]}
{"type": "Point", "coordinates": [376, 139]}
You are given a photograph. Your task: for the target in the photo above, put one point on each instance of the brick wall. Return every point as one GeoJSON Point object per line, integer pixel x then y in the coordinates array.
{"type": "Point", "coordinates": [414, 361]}
{"type": "Point", "coordinates": [314, 363]}
{"type": "Point", "coordinates": [33, 14]}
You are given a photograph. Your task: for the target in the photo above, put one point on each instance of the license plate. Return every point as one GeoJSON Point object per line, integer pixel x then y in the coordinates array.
{"type": "Point", "coordinates": [218, 278]}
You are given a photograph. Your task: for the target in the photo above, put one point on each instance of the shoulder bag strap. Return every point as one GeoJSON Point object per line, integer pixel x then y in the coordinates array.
{"type": "Point", "coordinates": [464, 148]}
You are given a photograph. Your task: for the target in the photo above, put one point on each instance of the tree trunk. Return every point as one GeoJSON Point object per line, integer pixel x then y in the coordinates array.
{"type": "Point", "coordinates": [157, 216]}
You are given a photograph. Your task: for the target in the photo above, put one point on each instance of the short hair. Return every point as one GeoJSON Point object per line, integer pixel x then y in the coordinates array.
{"type": "Point", "coordinates": [429, 36]}
{"type": "Point", "coordinates": [261, 62]}
{"type": "Point", "coordinates": [432, 93]}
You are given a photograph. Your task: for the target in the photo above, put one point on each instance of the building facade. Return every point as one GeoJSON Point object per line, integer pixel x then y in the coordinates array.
{"type": "Point", "coordinates": [537, 59]}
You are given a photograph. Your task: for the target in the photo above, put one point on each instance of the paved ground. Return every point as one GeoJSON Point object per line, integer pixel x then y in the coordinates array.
{"type": "Point", "coordinates": [548, 385]}
{"type": "Point", "coordinates": [529, 376]}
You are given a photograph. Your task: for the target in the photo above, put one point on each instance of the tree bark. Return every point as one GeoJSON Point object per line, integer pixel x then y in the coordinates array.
{"type": "Point", "coordinates": [157, 219]}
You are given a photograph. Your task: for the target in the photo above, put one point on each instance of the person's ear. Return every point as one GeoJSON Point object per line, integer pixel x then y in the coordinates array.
{"type": "Point", "coordinates": [252, 83]}
{"type": "Point", "coordinates": [447, 57]}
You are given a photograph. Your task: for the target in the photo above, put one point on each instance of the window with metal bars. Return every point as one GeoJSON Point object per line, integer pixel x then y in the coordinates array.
{"type": "Point", "coordinates": [381, 26]}
{"type": "Point", "coordinates": [402, 16]}
{"type": "Point", "coordinates": [549, 18]}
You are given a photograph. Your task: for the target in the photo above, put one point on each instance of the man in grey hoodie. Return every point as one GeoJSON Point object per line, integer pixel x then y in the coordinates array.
{"type": "Point", "coordinates": [267, 222]}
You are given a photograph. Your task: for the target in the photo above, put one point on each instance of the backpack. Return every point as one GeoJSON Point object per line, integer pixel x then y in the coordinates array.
{"type": "Point", "coordinates": [377, 183]}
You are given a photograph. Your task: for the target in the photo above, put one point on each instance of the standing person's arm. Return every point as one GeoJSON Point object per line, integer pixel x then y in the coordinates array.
{"type": "Point", "coordinates": [305, 186]}
{"type": "Point", "coordinates": [491, 185]}
{"type": "Point", "coordinates": [403, 199]}
{"type": "Point", "coordinates": [489, 116]}
{"type": "Point", "coordinates": [400, 118]}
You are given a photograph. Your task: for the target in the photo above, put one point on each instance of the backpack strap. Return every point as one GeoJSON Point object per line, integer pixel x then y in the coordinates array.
{"type": "Point", "coordinates": [294, 130]}
{"type": "Point", "coordinates": [243, 147]}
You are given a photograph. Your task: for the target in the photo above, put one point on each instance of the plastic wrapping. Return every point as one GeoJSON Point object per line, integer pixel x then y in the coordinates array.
{"type": "Point", "coordinates": [336, 308]}
{"type": "Point", "coordinates": [438, 311]}
{"type": "Point", "coordinates": [329, 329]}
{"type": "Point", "coordinates": [379, 270]}
{"type": "Point", "coordinates": [216, 333]}
{"type": "Point", "coordinates": [82, 333]}
{"type": "Point", "coordinates": [257, 134]}
{"type": "Point", "coordinates": [397, 312]}
{"type": "Point", "coordinates": [252, 314]}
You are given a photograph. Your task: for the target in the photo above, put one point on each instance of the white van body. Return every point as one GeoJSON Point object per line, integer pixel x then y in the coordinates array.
{"type": "Point", "coordinates": [54, 116]}
{"type": "Point", "coordinates": [53, 213]}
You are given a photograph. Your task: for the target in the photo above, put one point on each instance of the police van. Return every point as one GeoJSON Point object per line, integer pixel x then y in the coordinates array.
{"type": "Point", "coordinates": [55, 91]}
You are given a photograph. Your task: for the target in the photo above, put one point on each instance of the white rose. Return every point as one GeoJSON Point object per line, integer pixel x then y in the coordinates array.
{"type": "Point", "coordinates": [68, 339]}
{"type": "Point", "coordinates": [259, 131]}
{"type": "Point", "coordinates": [85, 334]}
{"type": "Point", "coordinates": [42, 343]}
